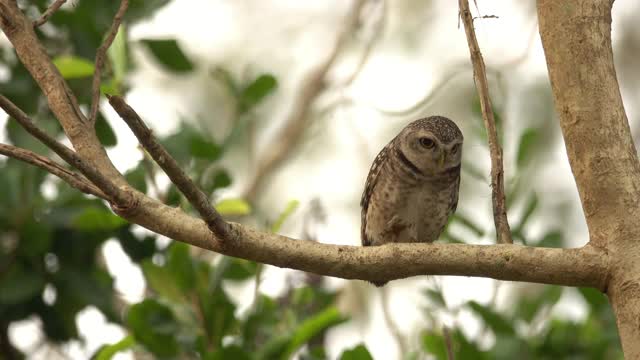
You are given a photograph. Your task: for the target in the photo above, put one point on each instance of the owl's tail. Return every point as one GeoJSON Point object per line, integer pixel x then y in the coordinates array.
{"type": "Point", "coordinates": [378, 283]}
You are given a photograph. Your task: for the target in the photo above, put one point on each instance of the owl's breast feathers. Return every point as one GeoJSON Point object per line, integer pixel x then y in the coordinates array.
{"type": "Point", "coordinates": [392, 198]}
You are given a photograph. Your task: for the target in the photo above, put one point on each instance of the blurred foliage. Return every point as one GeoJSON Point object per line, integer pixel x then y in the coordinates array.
{"type": "Point", "coordinates": [51, 264]}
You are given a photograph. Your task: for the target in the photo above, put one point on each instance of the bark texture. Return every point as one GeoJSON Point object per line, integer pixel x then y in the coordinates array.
{"type": "Point", "coordinates": [576, 36]}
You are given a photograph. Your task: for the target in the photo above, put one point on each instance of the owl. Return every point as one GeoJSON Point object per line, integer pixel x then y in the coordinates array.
{"type": "Point", "coordinates": [412, 187]}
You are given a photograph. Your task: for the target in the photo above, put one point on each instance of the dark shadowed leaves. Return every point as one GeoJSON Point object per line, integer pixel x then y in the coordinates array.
{"type": "Point", "coordinates": [154, 326]}
{"type": "Point", "coordinates": [104, 131]}
{"type": "Point", "coordinates": [181, 267]}
{"type": "Point", "coordinates": [526, 147]}
{"type": "Point", "coordinates": [497, 322]}
{"type": "Point", "coordinates": [434, 344]}
{"type": "Point", "coordinates": [96, 219]}
{"type": "Point", "coordinates": [229, 352]}
{"type": "Point", "coordinates": [359, 352]}
{"type": "Point", "coordinates": [136, 178]}
{"type": "Point", "coordinates": [168, 53]}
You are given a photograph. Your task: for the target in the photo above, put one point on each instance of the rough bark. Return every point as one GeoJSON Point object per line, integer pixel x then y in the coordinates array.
{"type": "Point", "coordinates": [576, 36]}
{"type": "Point", "coordinates": [577, 40]}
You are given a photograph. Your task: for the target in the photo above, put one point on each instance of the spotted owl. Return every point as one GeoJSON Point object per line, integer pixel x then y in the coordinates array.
{"type": "Point", "coordinates": [412, 187]}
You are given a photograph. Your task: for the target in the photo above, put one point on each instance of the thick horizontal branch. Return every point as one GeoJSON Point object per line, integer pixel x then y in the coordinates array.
{"type": "Point", "coordinates": [72, 178]}
{"type": "Point", "coordinates": [586, 266]}
{"type": "Point", "coordinates": [196, 197]}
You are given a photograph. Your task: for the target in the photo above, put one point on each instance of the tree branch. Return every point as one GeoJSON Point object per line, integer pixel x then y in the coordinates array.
{"type": "Point", "coordinates": [115, 195]}
{"type": "Point", "coordinates": [47, 14]}
{"type": "Point", "coordinates": [62, 102]}
{"type": "Point", "coordinates": [497, 173]}
{"type": "Point", "coordinates": [72, 178]}
{"type": "Point", "coordinates": [100, 56]}
{"type": "Point", "coordinates": [586, 266]}
{"type": "Point", "coordinates": [576, 37]}
{"type": "Point", "coordinates": [296, 122]}
{"type": "Point", "coordinates": [196, 197]}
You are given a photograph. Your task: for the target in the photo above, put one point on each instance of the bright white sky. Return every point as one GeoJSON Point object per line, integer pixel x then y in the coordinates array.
{"type": "Point", "coordinates": [286, 37]}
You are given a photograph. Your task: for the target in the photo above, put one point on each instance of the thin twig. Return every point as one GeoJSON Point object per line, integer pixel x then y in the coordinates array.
{"type": "Point", "coordinates": [497, 173]}
{"type": "Point", "coordinates": [101, 54]}
{"type": "Point", "coordinates": [70, 177]}
{"type": "Point", "coordinates": [297, 121]}
{"type": "Point", "coordinates": [448, 343]}
{"type": "Point", "coordinates": [47, 14]}
{"type": "Point", "coordinates": [196, 197]}
{"type": "Point", "coordinates": [373, 39]}
{"type": "Point", "coordinates": [393, 327]}
{"type": "Point", "coordinates": [117, 196]}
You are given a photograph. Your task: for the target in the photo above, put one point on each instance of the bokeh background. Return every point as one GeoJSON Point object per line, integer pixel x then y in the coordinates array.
{"type": "Point", "coordinates": [277, 109]}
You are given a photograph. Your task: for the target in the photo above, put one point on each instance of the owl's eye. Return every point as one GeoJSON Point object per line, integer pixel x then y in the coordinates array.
{"type": "Point", "coordinates": [455, 148]}
{"type": "Point", "coordinates": [426, 142]}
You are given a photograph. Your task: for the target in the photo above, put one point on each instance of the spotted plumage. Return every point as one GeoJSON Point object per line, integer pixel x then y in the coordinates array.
{"type": "Point", "coordinates": [412, 187]}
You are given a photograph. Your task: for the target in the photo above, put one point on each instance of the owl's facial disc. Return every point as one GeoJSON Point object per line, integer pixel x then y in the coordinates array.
{"type": "Point", "coordinates": [423, 150]}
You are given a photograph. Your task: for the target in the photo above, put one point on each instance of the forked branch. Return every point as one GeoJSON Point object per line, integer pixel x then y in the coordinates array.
{"type": "Point", "coordinates": [72, 178]}
{"type": "Point", "coordinates": [196, 197]}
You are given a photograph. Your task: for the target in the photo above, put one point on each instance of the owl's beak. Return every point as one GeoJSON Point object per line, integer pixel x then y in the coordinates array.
{"type": "Point", "coordinates": [442, 156]}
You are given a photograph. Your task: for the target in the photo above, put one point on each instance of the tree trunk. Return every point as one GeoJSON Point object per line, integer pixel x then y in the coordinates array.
{"type": "Point", "coordinates": [576, 36]}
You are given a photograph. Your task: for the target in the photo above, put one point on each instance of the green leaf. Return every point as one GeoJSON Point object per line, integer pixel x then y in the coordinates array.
{"type": "Point", "coordinates": [202, 148]}
{"type": "Point", "coordinates": [466, 349]}
{"type": "Point", "coordinates": [97, 219]}
{"type": "Point", "coordinates": [221, 180]}
{"type": "Point", "coordinates": [229, 352]}
{"type": "Point", "coordinates": [528, 307]}
{"type": "Point", "coordinates": [470, 225]}
{"type": "Point", "coordinates": [313, 326]}
{"type": "Point", "coordinates": [552, 239]}
{"type": "Point", "coordinates": [240, 269]}
{"type": "Point", "coordinates": [434, 344]}
{"type": "Point", "coordinates": [494, 320]}
{"type": "Point", "coordinates": [161, 281]}
{"type": "Point", "coordinates": [154, 326]}
{"type": "Point", "coordinates": [137, 249]}
{"type": "Point", "coordinates": [236, 207]}
{"type": "Point", "coordinates": [72, 67]}
{"type": "Point", "coordinates": [142, 9]}
{"type": "Point", "coordinates": [528, 140]}
{"type": "Point", "coordinates": [181, 266]}
{"type": "Point", "coordinates": [436, 297]}
{"type": "Point", "coordinates": [597, 300]}
{"type": "Point", "coordinates": [219, 315]}
{"type": "Point", "coordinates": [104, 132]}
{"type": "Point", "coordinates": [168, 53]}
{"type": "Point", "coordinates": [118, 55]}
{"type": "Point", "coordinates": [137, 178]}
{"type": "Point", "coordinates": [19, 285]}
{"type": "Point", "coordinates": [291, 207]}
{"type": "Point", "coordinates": [21, 138]}
{"type": "Point", "coordinates": [530, 207]}
{"type": "Point", "coordinates": [108, 351]}
{"type": "Point", "coordinates": [359, 352]}
{"type": "Point", "coordinates": [255, 92]}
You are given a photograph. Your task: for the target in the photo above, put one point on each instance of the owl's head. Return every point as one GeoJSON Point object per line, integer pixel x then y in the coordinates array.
{"type": "Point", "coordinates": [432, 145]}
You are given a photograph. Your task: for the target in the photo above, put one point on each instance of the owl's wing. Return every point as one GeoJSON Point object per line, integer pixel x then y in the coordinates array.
{"type": "Point", "coordinates": [454, 195]}
{"type": "Point", "coordinates": [372, 179]}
